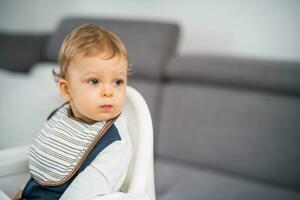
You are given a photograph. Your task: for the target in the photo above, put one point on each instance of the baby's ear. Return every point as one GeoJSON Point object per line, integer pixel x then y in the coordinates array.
{"type": "Point", "coordinates": [64, 89]}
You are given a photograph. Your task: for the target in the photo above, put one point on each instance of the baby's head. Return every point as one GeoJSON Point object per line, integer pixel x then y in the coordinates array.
{"type": "Point", "coordinates": [93, 73]}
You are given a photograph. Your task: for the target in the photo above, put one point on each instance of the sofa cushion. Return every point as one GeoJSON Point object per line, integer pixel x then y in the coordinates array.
{"type": "Point", "coordinates": [241, 131]}
{"type": "Point", "coordinates": [178, 181]}
{"type": "Point", "coordinates": [25, 103]}
{"type": "Point", "coordinates": [149, 43]}
{"type": "Point", "coordinates": [275, 75]}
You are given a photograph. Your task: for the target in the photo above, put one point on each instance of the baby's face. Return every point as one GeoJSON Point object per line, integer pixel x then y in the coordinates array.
{"type": "Point", "coordinates": [96, 87]}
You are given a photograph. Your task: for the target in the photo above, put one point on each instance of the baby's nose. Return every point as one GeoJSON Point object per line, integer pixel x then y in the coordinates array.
{"type": "Point", "coordinates": [106, 92]}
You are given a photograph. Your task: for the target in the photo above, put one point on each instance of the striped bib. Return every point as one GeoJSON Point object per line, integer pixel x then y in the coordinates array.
{"type": "Point", "coordinates": [61, 146]}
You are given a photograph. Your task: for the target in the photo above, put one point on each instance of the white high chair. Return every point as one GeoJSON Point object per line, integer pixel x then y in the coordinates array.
{"type": "Point", "coordinates": [140, 179]}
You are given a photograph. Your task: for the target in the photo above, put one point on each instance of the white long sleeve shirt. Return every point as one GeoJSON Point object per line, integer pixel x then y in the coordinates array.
{"type": "Point", "coordinates": [106, 174]}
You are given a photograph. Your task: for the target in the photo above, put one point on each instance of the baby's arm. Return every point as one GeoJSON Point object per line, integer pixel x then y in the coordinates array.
{"type": "Point", "coordinates": [103, 176]}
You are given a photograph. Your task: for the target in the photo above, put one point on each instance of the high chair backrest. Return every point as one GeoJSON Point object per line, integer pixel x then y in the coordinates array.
{"type": "Point", "coordinates": [140, 178]}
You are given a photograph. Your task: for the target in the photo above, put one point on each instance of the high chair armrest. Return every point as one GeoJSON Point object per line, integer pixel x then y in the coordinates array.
{"type": "Point", "coordinates": [3, 196]}
{"type": "Point", "coordinates": [14, 160]}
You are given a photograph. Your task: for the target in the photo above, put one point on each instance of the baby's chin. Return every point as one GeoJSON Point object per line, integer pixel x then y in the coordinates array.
{"type": "Point", "coordinates": [106, 116]}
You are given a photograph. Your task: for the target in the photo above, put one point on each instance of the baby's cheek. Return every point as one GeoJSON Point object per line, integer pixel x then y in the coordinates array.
{"type": "Point", "coordinates": [120, 104]}
{"type": "Point", "coordinates": [92, 96]}
{"type": "Point", "coordinates": [122, 100]}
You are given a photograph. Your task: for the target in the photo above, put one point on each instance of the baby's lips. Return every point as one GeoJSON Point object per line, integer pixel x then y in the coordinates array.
{"type": "Point", "coordinates": [106, 106]}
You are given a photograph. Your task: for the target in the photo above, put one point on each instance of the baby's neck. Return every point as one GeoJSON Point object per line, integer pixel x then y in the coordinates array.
{"type": "Point", "coordinates": [72, 116]}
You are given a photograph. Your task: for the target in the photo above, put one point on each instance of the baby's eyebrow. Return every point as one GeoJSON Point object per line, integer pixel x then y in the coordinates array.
{"type": "Point", "coordinates": [90, 73]}
{"type": "Point", "coordinates": [97, 74]}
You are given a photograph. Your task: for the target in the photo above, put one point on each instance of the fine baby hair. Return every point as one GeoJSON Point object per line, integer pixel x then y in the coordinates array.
{"type": "Point", "coordinates": [88, 40]}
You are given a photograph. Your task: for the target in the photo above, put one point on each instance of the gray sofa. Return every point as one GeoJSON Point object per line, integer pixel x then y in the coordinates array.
{"type": "Point", "coordinates": [225, 128]}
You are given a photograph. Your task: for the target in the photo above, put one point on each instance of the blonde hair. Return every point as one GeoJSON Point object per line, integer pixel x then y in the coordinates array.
{"type": "Point", "coordinates": [88, 40]}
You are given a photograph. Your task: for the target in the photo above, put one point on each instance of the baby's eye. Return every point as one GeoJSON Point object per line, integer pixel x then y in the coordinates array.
{"type": "Point", "coordinates": [119, 82]}
{"type": "Point", "coordinates": [93, 81]}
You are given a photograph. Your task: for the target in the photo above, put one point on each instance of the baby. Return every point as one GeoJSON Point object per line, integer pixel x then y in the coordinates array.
{"type": "Point", "coordinates": [83, 150]}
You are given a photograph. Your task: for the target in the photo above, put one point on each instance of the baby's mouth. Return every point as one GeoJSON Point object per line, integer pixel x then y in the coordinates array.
{"type": "Point", "coordinates": [106, 106]}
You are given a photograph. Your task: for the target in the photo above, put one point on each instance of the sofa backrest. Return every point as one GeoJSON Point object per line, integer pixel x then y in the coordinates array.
{"type": "Point", "coordinates": [149, 43]}
{"type": "Point", "coordinates": [235, 115]}
{"type": "Point", "coordinates": [279, 76]}
{"type": "Point", "coordinates": [19, 51]}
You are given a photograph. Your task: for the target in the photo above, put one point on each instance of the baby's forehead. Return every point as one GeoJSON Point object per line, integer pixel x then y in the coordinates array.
{"type": "Point", "coordinates": [100, 55]}
{"type": "Point", "coordinates": [98, 64]}
{"type": "Point", "coordinates": [105, 53]}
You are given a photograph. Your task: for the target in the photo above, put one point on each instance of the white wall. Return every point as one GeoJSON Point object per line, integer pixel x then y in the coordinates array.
{"type": "Point", "coordinates": [250, 28]}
